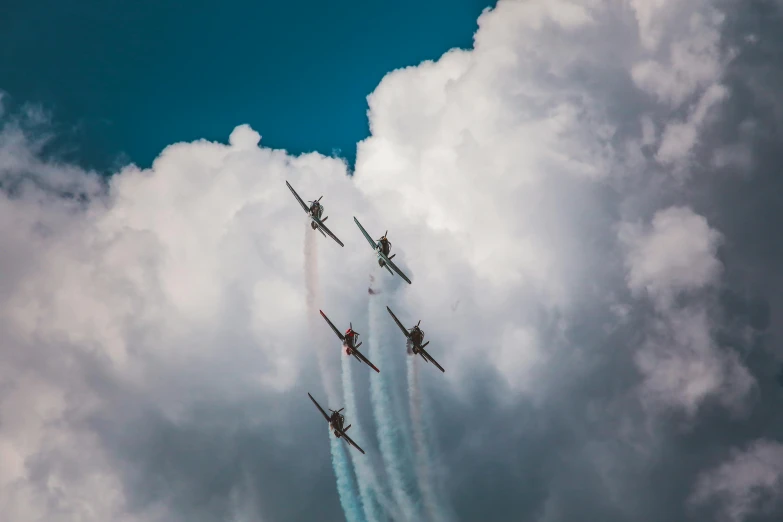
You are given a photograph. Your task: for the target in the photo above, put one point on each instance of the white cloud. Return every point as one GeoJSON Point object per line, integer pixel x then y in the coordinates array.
{"type": "Point", "coordinates": [184, 282]}
{"type": "Point", "coordinates": [676, 253]}
{"type": "Point", "coordinates": [749, 482]}
{"type": "Point", "coordinates": [680, 137]}
{"type": "Point", "coordinates": [683, 365]}
{"type": "Point", "coordinates": [675, 258]}
{"type": "Point", "coordinates": [691, 63]}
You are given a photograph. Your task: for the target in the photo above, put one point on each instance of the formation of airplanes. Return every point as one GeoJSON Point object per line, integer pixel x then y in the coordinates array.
{"type": "Point", "coordinates": [414, 336]}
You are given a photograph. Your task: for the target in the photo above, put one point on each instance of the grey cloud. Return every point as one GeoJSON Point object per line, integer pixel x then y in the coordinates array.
{"type": "Point", "coordinates": [156, 413]}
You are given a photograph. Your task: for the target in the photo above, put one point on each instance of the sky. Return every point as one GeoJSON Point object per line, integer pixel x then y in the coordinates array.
{"type": "Point", "coordinates": [123, 80]}
{"type": "Point", "coordinates": [585, 200]}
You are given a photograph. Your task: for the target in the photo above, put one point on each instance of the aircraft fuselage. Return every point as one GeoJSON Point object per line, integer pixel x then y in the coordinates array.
{"type": "Point", "coordinates": [382, 256]}
{"type": "Point", "coordinates": [337, 424]}
{"type": "Point", "coordinates": [415, 341]}
{"type": "Point", "coordinates": [316, 211]}
{"type": "Point", "coordinates": [350, 342]}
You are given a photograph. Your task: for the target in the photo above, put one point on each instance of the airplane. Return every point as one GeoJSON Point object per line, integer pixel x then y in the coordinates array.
{"type": "Point", "coordinates": [415, 337]}
{"type": "Point", "coordinates": [349, 340]}
{"type": "Point", "coordinates": [315, 210]}
{"type": "Point", "coordinates": [382, 249]}
{"type": "Point", "coordinates": [336, 422]}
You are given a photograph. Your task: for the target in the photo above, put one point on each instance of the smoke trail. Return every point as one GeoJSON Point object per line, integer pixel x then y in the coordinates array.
{"type": "Point", "coordinates": [328, 372]}
{"type": "Point", "coordinates": [373, 498]}
{"type": "Point", "coordinates": [346, 487]}
{"type": "Point", "coordinates": [391, 436]}
{"type": "Point", "coordinates": [423, 454]}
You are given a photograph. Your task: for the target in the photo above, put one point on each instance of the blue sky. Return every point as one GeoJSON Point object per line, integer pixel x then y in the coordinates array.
{"type": "Point", "coordinates": [124, 79]}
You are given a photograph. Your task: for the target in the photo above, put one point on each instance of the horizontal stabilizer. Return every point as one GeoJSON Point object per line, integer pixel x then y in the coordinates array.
{"type": "Point", "coordinates": [347, 428]}
{"type": "Point", "coordinates": [425, 344]}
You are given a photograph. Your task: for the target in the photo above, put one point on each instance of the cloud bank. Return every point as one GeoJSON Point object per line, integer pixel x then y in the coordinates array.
{"type": "Point", "coordinates": [591, 183]}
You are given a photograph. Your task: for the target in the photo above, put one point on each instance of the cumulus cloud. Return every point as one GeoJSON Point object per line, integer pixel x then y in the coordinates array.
{"type": "Point", "coordinates": [155, 360]}
{"type": "Point", "coordinates": [677, 253]}
{"type": "Point", "coordinates": [669, 261]}
{"type": "Point", "coordinates": [747, 483]}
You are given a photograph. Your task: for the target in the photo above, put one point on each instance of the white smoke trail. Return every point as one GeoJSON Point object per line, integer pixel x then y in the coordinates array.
{"type": "Point", "coordinates": [346, 488]}
{"type": "Point", "coordinates": [328, 372]}
{"type": "Point", "coordinates": [373, 497]}
{"type": "Point", "coordinates": [391, 436]}
{"type": "Point", "coordinates": [346, 485]}
{"type": "Point", "coordinates": [421, 448]}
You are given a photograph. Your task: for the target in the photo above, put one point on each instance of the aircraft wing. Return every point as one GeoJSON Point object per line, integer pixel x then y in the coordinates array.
{"type": "Point", "coordinates": [351, 442]}
{"type": "Point", "coordinates": [394, 267]}
{"type": "Point", "coordinates": [319, 407]}
{"type": "Point", "coordinates": [305, 207]}
{"type": "Point", "coordinates": [429, 358]}
{"type": "Point", "coordinates": [341, 336]}
{"type": "Point", "coordinates": [406, 332]}
{"type": "Point", "coordinates": [366, 235]}
{"type": "Point", "coordinates": [365, 360]}
{"type": "Point", "coordinates": [328, 232]}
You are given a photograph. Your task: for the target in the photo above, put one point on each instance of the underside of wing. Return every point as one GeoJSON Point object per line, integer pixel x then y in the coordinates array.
{"type": "Point", "coordinates": [404, 330]}
{"type": "Point", "coordinates": [394, 267]}
{"type": "Point", "coordinates": [305, 207]}
{"type": "Point", "coordinates": [429, 358]}
{"type": "Point", "coordinates": [341, 336]}
{"type": "Point", "coordinates": [365, 360]}
{"type": "Point", "coordinates": [328, 232]}
{"type": "Point", "coordinates": [319, 408]}
{"type": "Point", "coordinates": [366, 235]}
{"type": "Point", "coordinates": [351, 442]}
